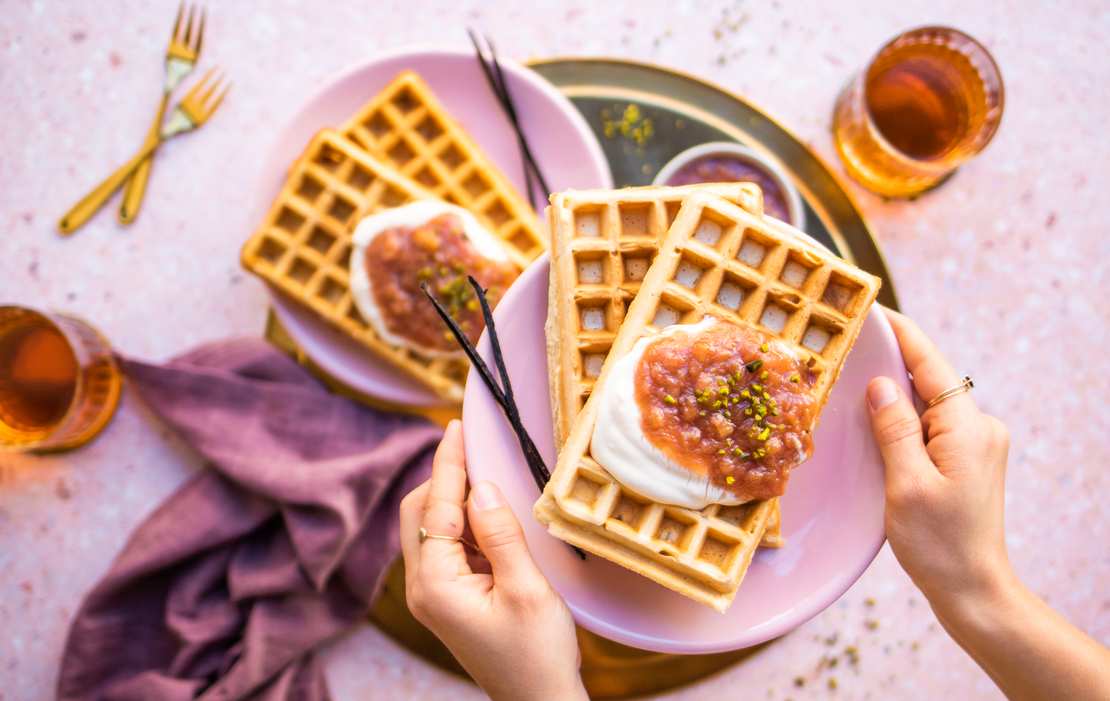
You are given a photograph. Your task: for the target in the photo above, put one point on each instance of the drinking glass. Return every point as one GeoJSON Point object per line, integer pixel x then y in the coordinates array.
{"type": "Point", "coordinates": [59, 383]}
{"type": "Point", "coordinates": [929, 100]}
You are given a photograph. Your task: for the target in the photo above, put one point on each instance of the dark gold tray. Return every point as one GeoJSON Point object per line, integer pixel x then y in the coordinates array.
{"type": "Point", "coordinates": [684, 111]}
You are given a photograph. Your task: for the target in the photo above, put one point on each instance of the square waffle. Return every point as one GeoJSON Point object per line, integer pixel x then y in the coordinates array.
{"type": "Point", "coordinates": [602, 243]}
{"type": "Point", "coordinates": [719, 259]}
{"type": "Point", "coordinates": [303, 246]}
{"type": "Point", "coordinates": [405, 126]}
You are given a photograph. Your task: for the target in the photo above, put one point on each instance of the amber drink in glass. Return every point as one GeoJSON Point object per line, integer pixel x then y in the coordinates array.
{"type": "Point", "coordinates": [930, 99]}
{"type": "Point", "coordinates": [59, 383]}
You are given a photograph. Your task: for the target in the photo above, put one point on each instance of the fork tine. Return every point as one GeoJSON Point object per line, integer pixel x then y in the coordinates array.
{"type": "Point", "coordinates": [211, 108]}
{"type": "Point", "coordinates": [195, 92]}
{"type": "Point", "coordinates": [208, 92]}
{"type": "Point", "coordinates": [177, 22]}
{"type": "Point", "coordinates": [200, 31]}
{"type": "Point", "coordinates": [190, 25]}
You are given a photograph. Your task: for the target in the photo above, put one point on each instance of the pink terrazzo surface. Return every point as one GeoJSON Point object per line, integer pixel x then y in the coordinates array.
{"type": "Point", "coordinates": [1006, 266]}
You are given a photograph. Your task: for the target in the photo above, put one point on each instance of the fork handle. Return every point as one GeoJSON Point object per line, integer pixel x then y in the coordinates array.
{"type": "Point", "coordinates": [81, 212]}
{"type": "Point", "coordinates": [136, 186]}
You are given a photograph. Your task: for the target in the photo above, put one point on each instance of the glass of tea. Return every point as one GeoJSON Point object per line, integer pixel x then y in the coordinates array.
{"type": "Point", "coordinates": [59, 383]}
{"type": "Point", "coordinates": [929, 100]}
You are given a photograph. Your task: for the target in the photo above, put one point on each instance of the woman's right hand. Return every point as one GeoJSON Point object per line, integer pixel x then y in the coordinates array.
{"type": "Point", "coordinates": [945, 493]}
{"type": "Point", "coordinates": [945, 476]}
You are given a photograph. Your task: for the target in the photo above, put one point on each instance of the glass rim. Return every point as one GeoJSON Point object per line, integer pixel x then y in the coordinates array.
{"type": "Point", "coordinates": [985, 136]}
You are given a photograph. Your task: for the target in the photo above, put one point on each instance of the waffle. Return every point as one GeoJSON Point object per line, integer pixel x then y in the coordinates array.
{"type": "Point", "coordinates": [716, 258]}
{"type": "Point", "coordinates": [405, 126]}
{"type": "Point", "coordinates": [612, 235]}
{"type": "Point", "coordinates": [602, 244]}
{"type": "Point", "coordinates": [303, 246]}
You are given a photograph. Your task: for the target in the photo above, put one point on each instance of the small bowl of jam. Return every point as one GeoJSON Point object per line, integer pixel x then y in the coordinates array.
{"type": "Point", "coordinates": [726, 162]}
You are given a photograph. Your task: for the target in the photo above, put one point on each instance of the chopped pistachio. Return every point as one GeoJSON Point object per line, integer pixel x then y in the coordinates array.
{"type": "Point", "coordinates": [730, 479]}
{"type": "Point", "coordinates": [764, 348]}
{"type": "Point", "coordinates": [670, 400]}
{"type": "Point", "coordinates": [764, 434]}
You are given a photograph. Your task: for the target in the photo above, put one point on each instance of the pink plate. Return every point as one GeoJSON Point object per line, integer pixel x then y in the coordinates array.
{"type": "Point", "coordinates": [832, 514]}
{"type": "Point", "coordinates": [562, 142]}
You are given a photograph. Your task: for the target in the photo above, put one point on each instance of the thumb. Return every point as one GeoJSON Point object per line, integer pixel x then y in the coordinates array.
{"type": "Point", "coordinates": [499, 535]}
{"type": "Point", "coordinates": [897, 429]}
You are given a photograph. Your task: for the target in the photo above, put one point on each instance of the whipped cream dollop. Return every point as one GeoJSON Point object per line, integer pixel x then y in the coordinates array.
{"type": "Point", "coordinates": [620, 446]}
{"type": "Point", "coordinates": [409, 216]}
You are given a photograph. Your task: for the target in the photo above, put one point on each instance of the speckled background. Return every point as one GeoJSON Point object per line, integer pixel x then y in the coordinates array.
{"type": "Point", "coordinates": [1006, 266]}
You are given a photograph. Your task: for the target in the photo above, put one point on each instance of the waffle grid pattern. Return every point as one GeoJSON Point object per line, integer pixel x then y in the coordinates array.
{"type": "Point", "coordinates": [736, 267]}
{"type": "Point", "coordinates": [712, 546]}
{"type": "Point", "coordinates": [303, 246]}
{"type": "Point", "coordinates": [717, 259]}
{"type": "Point", "coordinates": [406, 127]}
{"type": "Point", "coordinates": [603, 242]}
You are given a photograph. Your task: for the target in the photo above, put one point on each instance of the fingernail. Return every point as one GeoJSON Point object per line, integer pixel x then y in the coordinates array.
{"type": "Point", "coordinates": [487, 496]}
{"type": "Point", "coordinates": [881, 392]}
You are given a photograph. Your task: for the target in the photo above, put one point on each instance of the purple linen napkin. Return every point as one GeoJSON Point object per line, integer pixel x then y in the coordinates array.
{"type": "Point", "coordinates": [226, 590]}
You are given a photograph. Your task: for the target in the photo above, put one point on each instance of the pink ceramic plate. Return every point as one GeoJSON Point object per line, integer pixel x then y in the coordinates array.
{"type": "Point", "coordinates": [560, 138]}
{"type": "Point", "coordinates": [832, 513]}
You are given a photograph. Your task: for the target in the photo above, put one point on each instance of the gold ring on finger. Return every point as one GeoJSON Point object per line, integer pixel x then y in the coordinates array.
{"type": "Point", "coordinates": [964, 386]}
{"type": "Point", "coordinates": [423, 535]}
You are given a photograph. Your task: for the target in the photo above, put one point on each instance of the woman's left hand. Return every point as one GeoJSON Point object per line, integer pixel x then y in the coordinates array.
{"type": "Point", "coordinates": [495, 611]}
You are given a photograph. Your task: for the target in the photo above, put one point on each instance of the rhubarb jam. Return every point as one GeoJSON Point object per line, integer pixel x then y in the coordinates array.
{"type": "Point", "coordinates": [400, 259]}
{"type": "Point", "coordinates": [729, 403]}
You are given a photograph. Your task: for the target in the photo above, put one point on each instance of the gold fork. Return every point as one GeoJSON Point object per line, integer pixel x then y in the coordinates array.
{"type": "Point", "coordinates": [194, 110]}
{"type": "Point", "coordinates": [181, 55]}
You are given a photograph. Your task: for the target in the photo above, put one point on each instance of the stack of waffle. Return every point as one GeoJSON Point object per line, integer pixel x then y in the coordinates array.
{"type": "Point", "coordinates": [628, 263]}
{"type": "Point", "coordinates": [400, 147]}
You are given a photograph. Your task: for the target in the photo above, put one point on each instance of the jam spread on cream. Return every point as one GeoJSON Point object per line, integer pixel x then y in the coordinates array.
{"type": "Point", "coordinates": [437, 253]}
{"type": "Point", "coordinates": [728, 403]}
